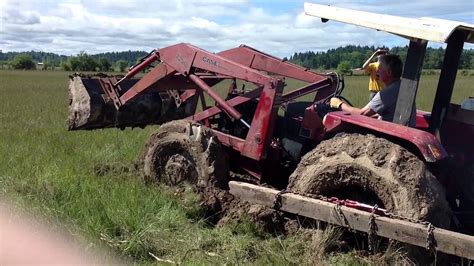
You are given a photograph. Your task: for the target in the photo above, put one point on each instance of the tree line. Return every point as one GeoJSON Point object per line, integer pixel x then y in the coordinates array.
{"type": "Point", "coordinates": [352, 57]}
{"type": "Point", "coordinates": [111, 61]}
{"type": "Point", "coordinates": [342, 58]}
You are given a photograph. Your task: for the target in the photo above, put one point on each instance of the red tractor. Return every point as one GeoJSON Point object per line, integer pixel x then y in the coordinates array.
{"type": "Point", "coordinates": [264, 130]}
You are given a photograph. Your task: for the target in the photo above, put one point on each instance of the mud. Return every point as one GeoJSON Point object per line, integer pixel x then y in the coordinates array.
{"type": "Point", "coordinates": [398, 179]}
{"type": "Point", "coordinates": [91, 108]}
{"type": "Point", "coordinates": [197, 151]}
{"type": "Point", "coordinates": [224, 209]}
{"type": "Point", "coordinates": [114, 169]}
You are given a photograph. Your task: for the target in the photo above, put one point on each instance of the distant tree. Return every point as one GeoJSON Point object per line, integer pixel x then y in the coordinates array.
{"type": "Point", "coordinates": [104, 64]}
{"type": "Point", "coordinates": [65, 66]}
{"type": "Point", "coordinates": [357, 59]}
{"type": "Point", "coordinates": [121, 65]}
{"type": "Point", "coordinates": [88, 63]}
{"type": "Point", "coordinates": [82, 62]}
{"type": "Point", "coordinates": [434, 59]}
{"type": "Point", "coordinates": [4, 64]}
{"type": "Point", "coordinates": [345, 68]}
{"type": "Point", "coordinates": [129, 56]}
{"type": "Point", "coordinates": [47, 65]}
{"type": "Point", "coordinates": [23, 61]}
{"type": "Point", "coordinates": [471, 63]}
{"type": "Point", "coordinates": [74, 64]}
{"type": "Point", "coordinates": [321, 60]}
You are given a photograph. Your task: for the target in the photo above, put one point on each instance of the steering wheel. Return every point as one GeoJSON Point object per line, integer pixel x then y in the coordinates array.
{"type": "Point", "coordinates": [339, 79]}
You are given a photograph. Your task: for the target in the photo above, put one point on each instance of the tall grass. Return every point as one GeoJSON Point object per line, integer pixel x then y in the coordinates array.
{"type": "Point", "coordinates": [86, 182]}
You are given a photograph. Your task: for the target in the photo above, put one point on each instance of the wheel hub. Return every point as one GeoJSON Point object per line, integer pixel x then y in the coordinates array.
{"type": "Point", "coordinates": [178, 169]}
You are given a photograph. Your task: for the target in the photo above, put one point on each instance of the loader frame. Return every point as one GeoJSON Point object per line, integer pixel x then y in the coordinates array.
{"type": "Point", "coordinates": [187, 73]}
{"type": "Point", "coordinates": [192, 72]}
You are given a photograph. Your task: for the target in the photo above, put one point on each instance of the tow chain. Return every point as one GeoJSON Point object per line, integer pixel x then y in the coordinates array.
{"type": "Point", "coordinates": [430, 244]}
{"type": "Point", "coordinates": [339, 211]}
{"type": "Point", "coordinates": [277, 200]}
{"type": "Point", "coordinates": [430, 241]}
{"type": "Point", "coordinates": [372, 235]}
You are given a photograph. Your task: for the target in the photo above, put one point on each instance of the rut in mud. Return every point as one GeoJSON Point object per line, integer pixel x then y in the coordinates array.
{"type": "Point", "coordinates": [222, 208]}
{"type": "Point", "coordinates": [186, 152]}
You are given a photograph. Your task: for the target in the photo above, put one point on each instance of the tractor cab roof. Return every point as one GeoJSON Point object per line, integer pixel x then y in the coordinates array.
{"type": "Point", "coordinates": [424, 28]}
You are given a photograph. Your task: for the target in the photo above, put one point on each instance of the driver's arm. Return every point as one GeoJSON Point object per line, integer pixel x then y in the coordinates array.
{"type": "Point", "coordinates": [354, 110]}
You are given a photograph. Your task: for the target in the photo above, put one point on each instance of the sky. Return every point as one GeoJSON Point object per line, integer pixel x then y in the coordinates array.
{"type": "Point", "coordinates": [277, 27]}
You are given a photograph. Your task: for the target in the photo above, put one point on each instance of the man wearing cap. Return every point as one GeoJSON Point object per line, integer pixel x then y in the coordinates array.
{"type": "Point", "coordinates": [384, 102]}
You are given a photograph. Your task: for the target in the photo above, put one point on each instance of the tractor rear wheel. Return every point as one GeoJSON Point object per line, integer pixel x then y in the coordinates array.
{"type": "Point", "coordinates": [374, 171]}
{"type": "Point", "coordinates": [185, 151]}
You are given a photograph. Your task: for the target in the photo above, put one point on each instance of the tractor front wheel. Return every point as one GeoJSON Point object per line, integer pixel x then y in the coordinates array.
{"type": "Point", "coordinates": [185, 151]}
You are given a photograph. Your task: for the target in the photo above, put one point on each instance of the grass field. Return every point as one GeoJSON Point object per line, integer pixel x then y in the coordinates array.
{"type": "Point", "coordinates": [84, 181]}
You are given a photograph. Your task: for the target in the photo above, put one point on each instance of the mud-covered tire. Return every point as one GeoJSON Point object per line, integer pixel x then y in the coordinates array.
{"type": "Point", "coordinates": [399, 179]}
{"type": "Point", "coordinates": [185, 151]}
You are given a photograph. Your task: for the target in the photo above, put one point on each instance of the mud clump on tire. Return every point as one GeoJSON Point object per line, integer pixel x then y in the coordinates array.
{"type": "Point", "coordinates": [399, 179]}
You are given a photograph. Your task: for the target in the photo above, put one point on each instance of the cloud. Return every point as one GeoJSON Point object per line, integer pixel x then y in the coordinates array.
{"type": "Point", "coordinates": [11, 14]}
{"type": "Point", "coordinates": [277, 27]}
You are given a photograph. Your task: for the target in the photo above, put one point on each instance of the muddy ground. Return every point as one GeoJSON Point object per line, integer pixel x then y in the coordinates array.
{"type": "Point", "coordinates": [226, 209]}
{"type": "Point", "coordinates": [399, 180]}
{"type": "Point", "coordinates": [219, 205]}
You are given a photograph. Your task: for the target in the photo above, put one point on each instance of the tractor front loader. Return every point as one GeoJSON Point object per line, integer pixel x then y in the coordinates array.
{"type": "Point", "coordinates": [290, 138]}
{"type": "Point", "coordinates": [243, 119]}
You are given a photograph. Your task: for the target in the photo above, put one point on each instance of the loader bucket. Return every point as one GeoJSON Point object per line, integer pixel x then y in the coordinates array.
{"type": "Point", "coordinates": [90, 108]}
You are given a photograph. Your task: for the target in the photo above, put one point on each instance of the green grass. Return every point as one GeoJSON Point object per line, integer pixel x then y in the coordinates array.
{"type": "Point", "coordinates": [54, 173]}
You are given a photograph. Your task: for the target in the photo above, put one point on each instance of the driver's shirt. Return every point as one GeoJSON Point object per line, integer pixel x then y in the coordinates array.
{"type": "Point", "coordinates": [385, 101]}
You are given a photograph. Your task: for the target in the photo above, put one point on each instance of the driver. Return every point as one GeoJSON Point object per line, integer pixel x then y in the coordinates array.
{"type": "Point", "coordinates": [384, 102]}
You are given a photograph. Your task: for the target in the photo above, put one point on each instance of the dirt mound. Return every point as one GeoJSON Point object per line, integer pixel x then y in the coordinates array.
{"type": "Point", "coordinates": [225, 209]}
